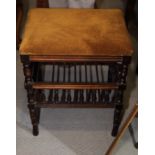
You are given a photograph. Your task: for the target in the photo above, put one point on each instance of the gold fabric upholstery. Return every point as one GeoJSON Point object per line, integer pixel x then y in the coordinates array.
{"type": "Point", "coordinates": [76, 32]}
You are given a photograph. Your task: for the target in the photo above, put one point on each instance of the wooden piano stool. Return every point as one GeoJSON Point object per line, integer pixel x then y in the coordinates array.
{"type": "Point", "coordinates": [88, 51]}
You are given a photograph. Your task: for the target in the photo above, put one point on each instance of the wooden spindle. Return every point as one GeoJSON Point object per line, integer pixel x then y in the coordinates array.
{"type": "Point", "coordinates": [69, 98]}
{"type": "Point", "coordinates": [86, 77]}
{"type": "Point", "coordinates": [98, 81]}
{"type": "Point", "coordinates": [56, 96]}
{"type": "Point", "coordinates": [50, 98]}
{"type": "Point", "coordinates": [40, 96]}
{"type": "Point", "coordinates": [90, 91]}
{"type": "Point", "coordinates": [81, 91]}
{"type": "Point", "coordinates": [103, 81]}
{"type": "Point", "coordinates": [63, 97]}
{"type": "Point", "coordinates": [93, 91]}
{"type": "Point", "coordinates": [75, 80]}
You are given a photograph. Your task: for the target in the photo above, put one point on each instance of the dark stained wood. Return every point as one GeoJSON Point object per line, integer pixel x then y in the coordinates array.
{"type": "Point", "coordinates": [19, 17]}
{"type": "Point", "coordinates": [74, 105]}
{"type": "Point", "coordinates": [129, 10]}
{"type": "Point", "coordinates": [24, 59]}
{"type": "Point", "coordinates": [42, 4]}
{"type": "Point", "coordinates": [68, 58]}
{"type": "Point", "coordinates": [34, 113]}
{"type": "Point", "coordinates": [52, 80]}
{"type": "Point", "coordinates": [122, 73]}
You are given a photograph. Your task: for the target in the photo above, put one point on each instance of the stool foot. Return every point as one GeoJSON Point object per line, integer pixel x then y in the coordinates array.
{"type": "Point", "coordinates": [34, 115]}
{"type": "Point", "coordinates": [114, 131]}
{"type": "Point", "coordinates": [136, 145]}
{"type": "Point", "coordinates": [118, 114]}
{"type": "Point", "coordinates": [35, 130]}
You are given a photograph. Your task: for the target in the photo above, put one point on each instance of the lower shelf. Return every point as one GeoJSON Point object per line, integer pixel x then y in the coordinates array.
{"type": "Point", "coordinates": [45, 85]}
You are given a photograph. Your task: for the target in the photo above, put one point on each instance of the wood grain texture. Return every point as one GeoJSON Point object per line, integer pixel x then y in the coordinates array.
{"type": "Point", "coordinates": [45, 85]}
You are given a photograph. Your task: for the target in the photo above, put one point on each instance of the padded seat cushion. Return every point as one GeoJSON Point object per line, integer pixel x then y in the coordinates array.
{"type": "Point", "coordinates": [76, 32]}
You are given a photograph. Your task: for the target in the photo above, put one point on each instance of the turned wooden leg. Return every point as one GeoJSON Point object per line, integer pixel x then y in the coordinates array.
{"type": "Point", "coordinates": [118, 114]}
{"type": "Point", "coordinates": [34, 118]}
{"type": "Point", "coordinates": [39, 95]}
{"type": "Point", "coordinates": [117, 119]}
{"type": "Point", "coordinates": [34, 112]}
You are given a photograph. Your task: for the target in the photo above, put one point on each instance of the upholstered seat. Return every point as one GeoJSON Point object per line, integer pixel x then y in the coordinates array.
{"type": "Point", "coordinates": [76, 32]}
